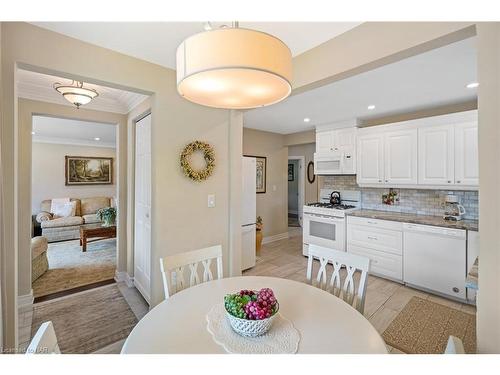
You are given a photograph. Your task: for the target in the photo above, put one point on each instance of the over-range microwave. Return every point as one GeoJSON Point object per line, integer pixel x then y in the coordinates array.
{"type": "Point", "coordinates": [334, 163]}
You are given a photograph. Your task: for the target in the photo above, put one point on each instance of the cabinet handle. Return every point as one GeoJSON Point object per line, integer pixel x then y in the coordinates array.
{"type": "Point", "coordinates": [449, 181]}
{"type": "Point", "coordinates": [379, 180]}
{"type": "Point", "coordinates": [386, 180]}
{"type": "Point", "coordinates": [371, 222]}
{"type": "Point", "coordinates": [372, 238]}
{"type": "Point", "coordinates": [458, 181]}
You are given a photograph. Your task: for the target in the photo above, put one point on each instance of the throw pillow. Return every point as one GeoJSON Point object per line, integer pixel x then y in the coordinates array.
{"type": "Point", "coordinates": [66, 210]}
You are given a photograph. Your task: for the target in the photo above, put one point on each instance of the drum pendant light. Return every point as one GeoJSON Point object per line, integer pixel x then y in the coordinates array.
{"type": "Point", "coordinates": [234, 68]}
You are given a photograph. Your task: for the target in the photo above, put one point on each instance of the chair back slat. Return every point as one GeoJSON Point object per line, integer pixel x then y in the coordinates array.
{"type": "Point", "coordinates": [344, 289]}
{"type": "Point", "coordinates": [44, 341]}
{"type": "Point", "coordinates": [173, 268]}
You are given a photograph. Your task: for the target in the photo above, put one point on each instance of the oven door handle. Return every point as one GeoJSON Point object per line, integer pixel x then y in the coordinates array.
{"type": "Point", "coordinates": [324, 217]}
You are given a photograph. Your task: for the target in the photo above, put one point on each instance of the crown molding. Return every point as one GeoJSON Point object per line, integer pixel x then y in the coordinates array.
{"type": "Point", "coordinates": [72, 142]}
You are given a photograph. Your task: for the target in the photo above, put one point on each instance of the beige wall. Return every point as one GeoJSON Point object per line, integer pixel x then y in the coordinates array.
{"type": "Point", "coordinates": [272, 205]}
{"type": "Point", "coordinates": [369, 46]}
{"type": "Point", "coordinates": [175, 122]}
{"type": "Point", "coordinates": [48, 173]}
{"type": "Point", "coordinates": [488, 301]}
{"type": "Point", "coordinates": [308, 136]}
{"type": "Point", "coordinates": [26, 110]}
{"type": "Point", "coordinates": [306, 150]}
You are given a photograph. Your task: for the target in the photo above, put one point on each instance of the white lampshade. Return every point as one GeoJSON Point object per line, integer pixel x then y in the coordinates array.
{"type": "Point", "coordinates": [77, 95]}
{"type": "Point", "coordinates": [234, 68]}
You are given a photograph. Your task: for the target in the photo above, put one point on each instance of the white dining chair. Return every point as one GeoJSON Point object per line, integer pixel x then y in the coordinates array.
{"type": "Point", "coordinates": [44, 341]}
{"type": "Point", "coordinates": [344, 289]}
{"type": "Point", "coordinates": [454, 346]}
{"type": "Point", "coordinates": [173, 268]}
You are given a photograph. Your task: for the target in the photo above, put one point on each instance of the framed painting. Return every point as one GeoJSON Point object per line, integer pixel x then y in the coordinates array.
{"type": "Point", "coordinates": [88, 170]}
{"type": "Point", "coordinates": [291, 172]}
{"type": "Point", "coordinates": [261, 164]}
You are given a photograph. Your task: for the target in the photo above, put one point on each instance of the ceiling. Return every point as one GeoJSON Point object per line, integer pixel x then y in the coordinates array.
{"type": "Point", "coordinates": [434, 78]}
{"type": "Point", "coordinates": [37, 86]}
{"type": "Point", "coordinates": [73, 132]}
{"type": "Point", "coordinates": [157, 42]}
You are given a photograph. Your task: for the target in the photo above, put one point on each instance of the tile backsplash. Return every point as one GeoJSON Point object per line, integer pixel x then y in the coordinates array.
{"type": "Point", "coordinates": [415, 201]}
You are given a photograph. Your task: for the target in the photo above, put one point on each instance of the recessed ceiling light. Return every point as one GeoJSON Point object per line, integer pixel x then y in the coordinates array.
{"type": "Point", "coordinates": [307, 119]}
{"type": "Point", "coordinates": [371, 107]}
{"type": "Point", "coordinates": [472, 85]}
{"type": "Point", "coordinates": [33, 133]}
{"type": "Point", "coordinates": [97, 139]}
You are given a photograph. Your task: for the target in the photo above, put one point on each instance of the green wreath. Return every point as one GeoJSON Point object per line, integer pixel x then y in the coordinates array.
{"type": "Point", "coordinates": [208, 154]}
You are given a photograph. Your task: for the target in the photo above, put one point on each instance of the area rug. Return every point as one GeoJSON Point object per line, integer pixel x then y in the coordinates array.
{"type": "Point", "coordinates": [87, 321]}
{"type": "Point", "coordinates": [69, 267]}
{"type": "Point", "coordinates": [423, 327]}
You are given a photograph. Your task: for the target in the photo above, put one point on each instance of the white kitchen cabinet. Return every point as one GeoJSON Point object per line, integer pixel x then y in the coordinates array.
{"type": "Point", "coordinates": [400, 157]}
{"type": "Point", "coordinates": [466, 154]}
{"type": "Point", "coordinates": [335, 140]}
{"type": "Point", "coordinates": [370, 159]}
{"type": "Point", "coordinates": [325, 141]}
{"type": "Point", "coordinates": [379, 240]}
{"type": "Point", "coordinates": [436, 153]}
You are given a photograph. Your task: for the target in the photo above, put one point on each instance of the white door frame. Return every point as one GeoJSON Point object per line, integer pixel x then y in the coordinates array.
{"type": "Point", "coordinates": [302, 185]}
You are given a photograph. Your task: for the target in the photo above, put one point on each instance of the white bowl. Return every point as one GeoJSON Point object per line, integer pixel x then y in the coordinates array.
{"type": "Point", "coordinates": [251, 328]}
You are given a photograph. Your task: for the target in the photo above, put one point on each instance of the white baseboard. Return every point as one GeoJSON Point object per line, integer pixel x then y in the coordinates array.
{"type": "Point", "coordinates": [25, 300]}
{"type": "Point", "coordinates": [276, 237]}
{"type": "Point", "coordinates": [125, 277]}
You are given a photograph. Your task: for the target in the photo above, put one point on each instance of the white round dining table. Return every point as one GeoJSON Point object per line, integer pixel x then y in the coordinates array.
{"type": "Point", "coordinates": [326, 324]}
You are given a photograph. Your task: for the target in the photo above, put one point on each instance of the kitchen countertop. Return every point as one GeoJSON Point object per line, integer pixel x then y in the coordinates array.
{"type": "Point", "coordinates": [437, 221]}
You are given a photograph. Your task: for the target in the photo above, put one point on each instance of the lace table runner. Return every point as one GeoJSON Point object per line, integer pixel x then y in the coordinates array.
{"type": "Point", "coordinates": [282, 338]}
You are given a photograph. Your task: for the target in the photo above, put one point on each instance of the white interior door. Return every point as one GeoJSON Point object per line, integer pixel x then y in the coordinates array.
{"type": "Point", "coordinates": [142, 238]}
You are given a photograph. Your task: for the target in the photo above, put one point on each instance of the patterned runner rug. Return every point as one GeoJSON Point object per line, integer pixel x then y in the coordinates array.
{"type": "Point", "coordinates": [423, 327]}
{"type": "Point", "coordinates": [87, 321]}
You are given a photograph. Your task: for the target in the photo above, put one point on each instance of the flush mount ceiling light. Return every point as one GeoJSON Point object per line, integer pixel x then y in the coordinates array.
{"type": "Point", "coordinates": [472, 85]}
{"type": "Point", "coordinates": [234, 68]}
{"type": "Point", "coordinates": [75, 93]}
{"type": "Point", "coordinates": [97, 139]}
{"type": "Point", "coordinates": [307, 119]}
{"type": "Point", "coordinates": [371, 107]}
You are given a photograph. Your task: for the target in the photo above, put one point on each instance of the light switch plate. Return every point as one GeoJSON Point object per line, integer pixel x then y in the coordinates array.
{"type": "Point", "coordinates": [211, 200]}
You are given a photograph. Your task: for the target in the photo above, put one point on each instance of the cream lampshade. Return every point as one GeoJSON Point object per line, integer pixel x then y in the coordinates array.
{"type": "Point", "coordinates": [234, 68]}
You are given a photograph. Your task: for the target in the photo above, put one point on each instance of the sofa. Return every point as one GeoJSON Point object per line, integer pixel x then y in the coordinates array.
{"type": "Point", "coordinates": [39, 261]}
{"type": "Point", "coordinates": [68, 228]}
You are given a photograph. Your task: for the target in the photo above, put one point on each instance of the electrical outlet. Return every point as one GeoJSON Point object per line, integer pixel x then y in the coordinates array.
{"type": "Point", "coordinates": [211, 200]}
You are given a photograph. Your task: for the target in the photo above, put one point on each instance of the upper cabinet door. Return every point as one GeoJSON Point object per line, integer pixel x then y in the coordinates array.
{"type": "Point", "coordinates": [466, 154]}
{"type": "Point", "coordinates": [436, 155]}
{"type": "Point", "coordinates": [401, 157]}
{"type": "Point", "coordinates": [370, 160]}
{"type": "Point", "coordinates": [325, 141]}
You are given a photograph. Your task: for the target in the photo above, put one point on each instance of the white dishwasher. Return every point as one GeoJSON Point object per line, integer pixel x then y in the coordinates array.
{"type": "Point", "coordinates": [434, 258]}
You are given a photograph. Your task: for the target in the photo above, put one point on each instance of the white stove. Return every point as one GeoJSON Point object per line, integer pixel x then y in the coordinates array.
{"type": "Point", "coordinates": [325, 223]}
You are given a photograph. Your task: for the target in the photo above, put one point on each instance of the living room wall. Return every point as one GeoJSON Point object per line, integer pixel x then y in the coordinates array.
{"type": "Point", "coordinates": [48, 177]}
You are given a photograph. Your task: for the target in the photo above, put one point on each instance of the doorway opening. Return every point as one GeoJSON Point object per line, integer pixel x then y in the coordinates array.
{"type": "Point", "coordinates": [73, 240]}
{"type": "Point", "coordinates": [296, 178]}
{"type": "Point", "coordinates": [73, 189]}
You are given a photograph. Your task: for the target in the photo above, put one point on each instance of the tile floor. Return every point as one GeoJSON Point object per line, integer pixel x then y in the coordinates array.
{"type": "Point", "coordinates": [384, 298]}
